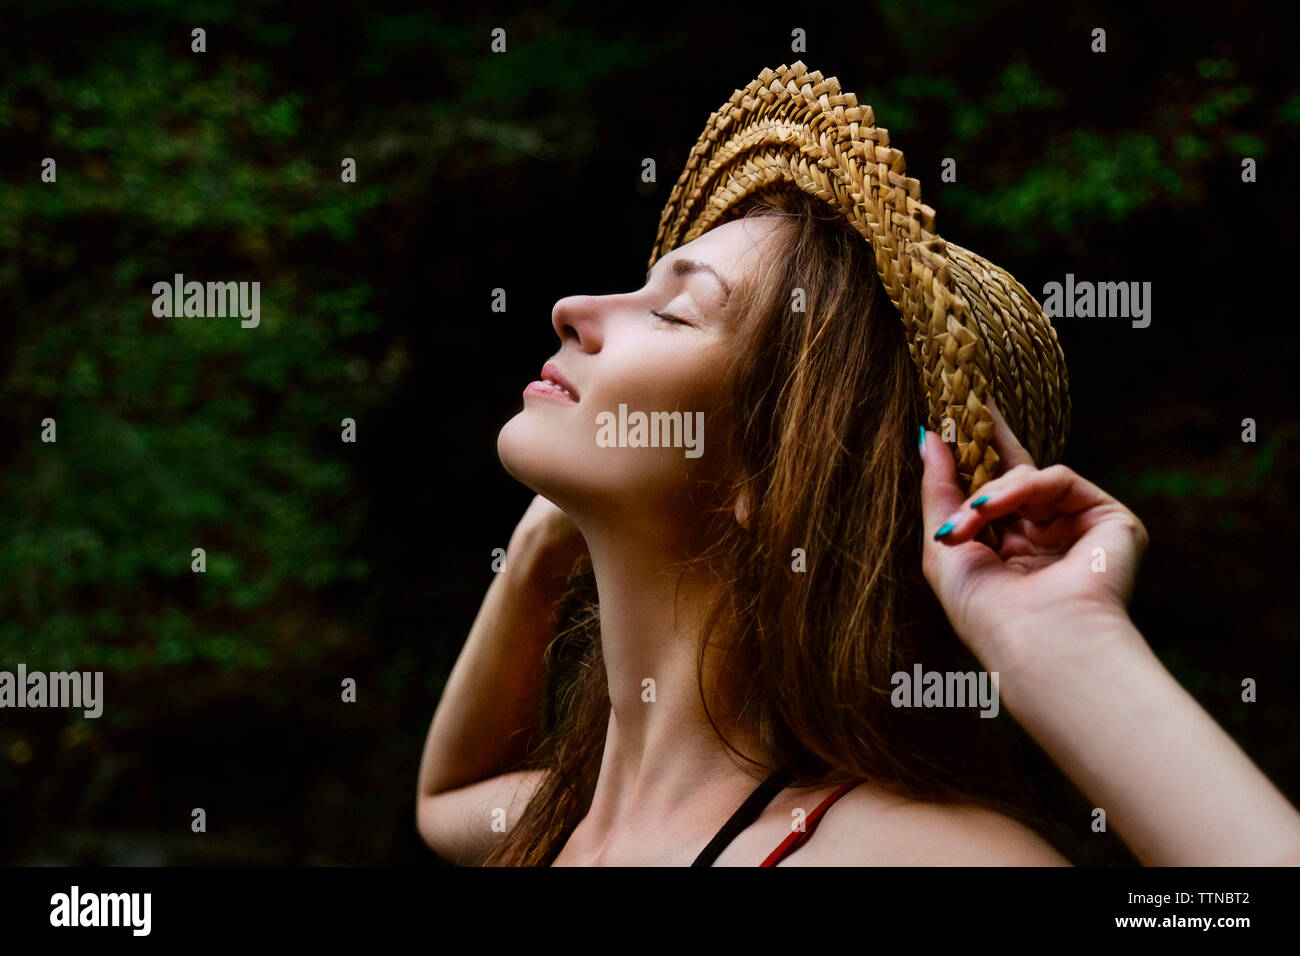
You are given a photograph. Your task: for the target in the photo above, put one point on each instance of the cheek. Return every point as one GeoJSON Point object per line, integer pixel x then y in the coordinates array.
{"type": "Point", "coordinates": [664, 373]}
{"type": "Point", "coordinates": [686, 383]}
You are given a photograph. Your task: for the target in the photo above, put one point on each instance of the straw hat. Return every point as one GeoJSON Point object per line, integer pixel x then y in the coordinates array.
{"type": "Point", "coordinates": [973, 330]}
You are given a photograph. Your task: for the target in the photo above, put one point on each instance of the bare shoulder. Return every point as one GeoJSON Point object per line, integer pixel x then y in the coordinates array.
{"type": "Point", "coordinates": [871, 827]}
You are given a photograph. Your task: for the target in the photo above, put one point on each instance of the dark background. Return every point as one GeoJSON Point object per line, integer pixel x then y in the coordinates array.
{"type": "Point", "coordinates": [522, 171]}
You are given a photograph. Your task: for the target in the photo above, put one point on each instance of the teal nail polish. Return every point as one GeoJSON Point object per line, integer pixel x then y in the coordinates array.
{"type": "Point", "coordinates": [921, 441]}
{"type": "Point", "coordinates": [947, 526]}
{"type": "Point", "coordinates": [979, 501]}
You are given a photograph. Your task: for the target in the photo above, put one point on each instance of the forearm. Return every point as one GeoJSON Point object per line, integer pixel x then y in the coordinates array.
{"type": "Point", "coordinates": [1175, 787]}
{"type": "Point", "coordinates": [488, 712]}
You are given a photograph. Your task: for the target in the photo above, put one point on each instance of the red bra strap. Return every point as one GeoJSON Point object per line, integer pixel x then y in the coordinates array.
{"type": "Point", "coordinates": [797, 837]}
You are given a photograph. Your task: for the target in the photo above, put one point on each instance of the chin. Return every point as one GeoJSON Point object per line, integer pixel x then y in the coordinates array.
{"type": "Point", "coordinates": [576, 479]}
{"type": "Point", "coordinates": [531, 453]}
{"type": "Point", "coordinates": [516, 447]}
{"type": "Point", "coordinates": [546, 457]}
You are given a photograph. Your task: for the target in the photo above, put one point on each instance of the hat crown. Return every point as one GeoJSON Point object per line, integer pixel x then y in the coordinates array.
{"type": "Point", "coordinates": [973, 330]}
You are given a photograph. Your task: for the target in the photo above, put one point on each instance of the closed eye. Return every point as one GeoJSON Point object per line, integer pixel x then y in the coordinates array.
{"type": "Point", "coordinates": [669, 318]}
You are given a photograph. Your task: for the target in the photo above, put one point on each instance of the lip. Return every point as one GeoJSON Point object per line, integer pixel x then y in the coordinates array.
{"type": "Point", "coordinates": [552, 371]}
{"type": "Point", "coordinates": [540, 389]}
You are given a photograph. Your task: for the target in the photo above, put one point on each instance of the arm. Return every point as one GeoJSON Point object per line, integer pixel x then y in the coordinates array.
{"type": "Point", "coordinates": [1174, 785]}
{"type": "Point", "coordinates": [1047, 611]}
{"type": "Point", "coordinates": [487, 716]}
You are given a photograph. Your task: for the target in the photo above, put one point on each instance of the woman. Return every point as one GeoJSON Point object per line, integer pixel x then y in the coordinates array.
{"type": "Point", "coordinates": [757, 603]}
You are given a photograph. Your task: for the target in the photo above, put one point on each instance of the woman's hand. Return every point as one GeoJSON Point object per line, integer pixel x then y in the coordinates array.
{"type": "Point", "coordinates": [544, 546]}
{"type": "Point", "coordinates": [1068, 549]}
{"type": "Point", "coordinates": [1076, 673]}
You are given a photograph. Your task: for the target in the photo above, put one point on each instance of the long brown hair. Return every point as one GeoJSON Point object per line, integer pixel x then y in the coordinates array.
{"type": "Point", "coordinates": [823, 597]}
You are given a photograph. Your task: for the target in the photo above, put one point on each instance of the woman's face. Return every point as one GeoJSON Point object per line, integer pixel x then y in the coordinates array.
{"type": "Point", "coordinates": [638, 380]}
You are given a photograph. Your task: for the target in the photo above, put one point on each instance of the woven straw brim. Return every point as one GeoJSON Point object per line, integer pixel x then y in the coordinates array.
{"type": "Point", "coordinates": [973, 330]}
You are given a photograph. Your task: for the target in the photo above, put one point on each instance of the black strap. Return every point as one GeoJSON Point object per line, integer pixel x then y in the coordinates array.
{"type": "Point", "coordinates": [746, 814]}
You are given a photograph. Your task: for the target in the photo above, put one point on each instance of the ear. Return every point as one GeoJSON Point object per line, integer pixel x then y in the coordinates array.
{"type": "Point", "coordinates": [742, 508]}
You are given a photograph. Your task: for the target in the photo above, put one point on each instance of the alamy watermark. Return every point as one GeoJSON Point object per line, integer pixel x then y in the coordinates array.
{"type": "Point", "coordinates": [922, 688]}
{"type": "Point", "coordinates": [1101, 300]}
{"type": "Point", "coordinates": [75, 908]}
{"type": "Point", "coordinates": [651, 430]}
{"type": "Point", "coordinates": [84, 689]}
{"type": "Point", "coordinates": [179, 299]}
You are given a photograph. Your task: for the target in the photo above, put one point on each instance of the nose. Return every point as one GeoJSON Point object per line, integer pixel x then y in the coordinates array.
{"type": "Point", "coordinates": [580, 317]}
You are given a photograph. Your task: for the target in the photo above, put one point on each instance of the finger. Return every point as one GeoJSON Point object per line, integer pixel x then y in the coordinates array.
{"type": "Point", "coordinates": [1038, 495]}
{"type": "Point", "coordinates": [1033, 540]}
{"type": "Point", "coordinates": [1015, 544]}
{"type": "Point", "coordinates": [941, 494]}
{"type": "Point", "coordinates": [1008, 446]}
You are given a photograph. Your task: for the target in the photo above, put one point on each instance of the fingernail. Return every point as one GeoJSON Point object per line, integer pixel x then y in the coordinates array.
{"type": "Point", "coordinates": [921, 442]}
{"type": "Point", "coordinates": [979, 501]}
{"type": "Point", "coordinates": [947, 526]}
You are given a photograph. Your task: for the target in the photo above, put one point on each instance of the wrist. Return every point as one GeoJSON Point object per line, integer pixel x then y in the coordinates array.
{"type": "Point", "coordinates": [1066, 637]}
{"type": "Point", "coordinates": [527, 586]}
{"type": "Point", "coordinates": [536, 576]}
{"type": "Point", "coordinates": [1046, 661]}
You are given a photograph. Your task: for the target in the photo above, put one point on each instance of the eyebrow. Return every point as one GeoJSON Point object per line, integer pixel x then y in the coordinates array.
{"type": "Point", "coordinates": [685, 267]}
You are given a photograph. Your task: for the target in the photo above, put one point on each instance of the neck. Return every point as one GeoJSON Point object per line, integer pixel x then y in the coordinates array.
{"type": "Point", "coordinates": [660, 750]}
